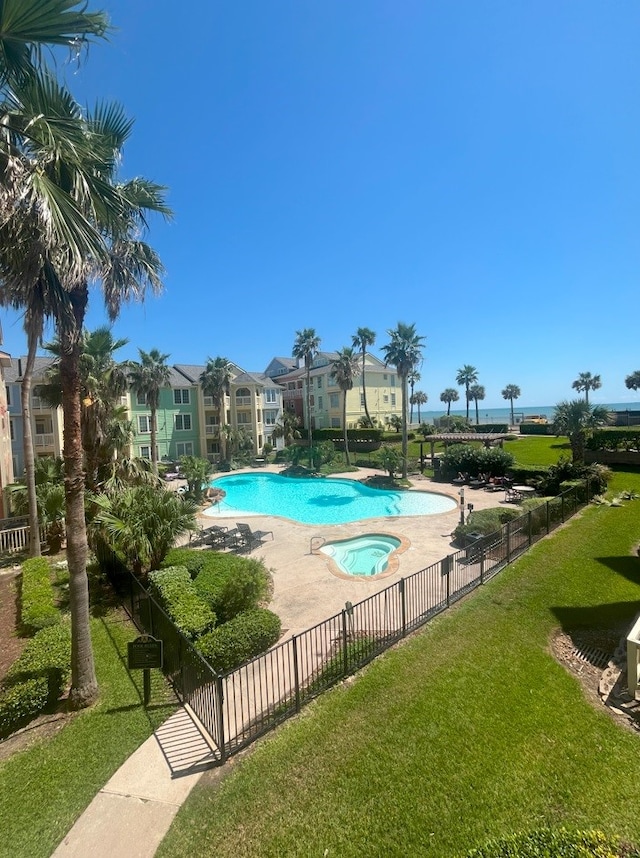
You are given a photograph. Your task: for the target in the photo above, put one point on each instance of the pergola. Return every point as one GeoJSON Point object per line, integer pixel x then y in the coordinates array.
{"type": "Point", "coordinates": [489, 439]}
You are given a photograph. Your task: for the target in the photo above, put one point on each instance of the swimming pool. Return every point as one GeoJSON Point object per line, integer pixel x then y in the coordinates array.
{"type": "Point", "coordinates": [367, 556]}
{"type": "Point", "coordinates": [320, 500]}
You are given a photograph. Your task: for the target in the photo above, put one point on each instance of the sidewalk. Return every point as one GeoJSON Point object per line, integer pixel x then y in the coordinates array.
{"type": "Point", "coordinates": [132, 813]}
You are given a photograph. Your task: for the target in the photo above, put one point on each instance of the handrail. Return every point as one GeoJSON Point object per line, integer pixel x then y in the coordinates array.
{"type": "Point", "coordinates": [314, 548]}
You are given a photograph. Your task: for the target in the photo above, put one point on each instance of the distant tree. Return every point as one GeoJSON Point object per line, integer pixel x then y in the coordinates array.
{"type": "Point", "coordinates": [413, 378]}
{"type": "Point", "coordinates": [477, 393]}
{"type": "Point", "coordinates": [395, 422]}
{"type": "Point", "coordinates": [391, 459]}
{"type": "Point", "coordinates": [196, 472]}
{"type": "Point", "coordinates": [215, 380]}
{"type": "Point", "coordinates": [449, 395]}
{"type": "Point", "coordinates": [419, 398]}
{"type": "Point", "coordinates": [305, 348]}
{"type": "Point", "coordinates": [467, 376]}
{"type": "Point", "coordinates": [575, 419]}
{"type": "Point", "coordinates": [633, 381]}
{"type": "Point", "coordinates": [362, 338]}
{"type": "Point", "coordinates": [586, 382]}
{"type": "Point", "coordinates": [287, 427]}
{"type": "Point", "coordinates": [344, 369]}
{"type": "Point", "coordinates": [148, 377]}
{"type": "Point", "coordinates": [511, 392]}
{"type": "Point", "coordinates": [404, 351]}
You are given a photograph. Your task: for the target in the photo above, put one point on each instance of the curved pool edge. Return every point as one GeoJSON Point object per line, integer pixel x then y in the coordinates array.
{"type": "Point", "coordinates": [393, 563]}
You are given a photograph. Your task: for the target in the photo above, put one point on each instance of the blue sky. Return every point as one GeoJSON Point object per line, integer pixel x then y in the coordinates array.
{"type": "Point", "coordinates": [469, 167]}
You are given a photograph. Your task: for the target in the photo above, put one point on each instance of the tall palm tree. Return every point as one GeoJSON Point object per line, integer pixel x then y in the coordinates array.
{"type": "Point", "coordinates": [477, 393]}
{"type": "Point", "coordinates": [413, 378]}
{"type": "Point", "coordinates": [344, 369]}
{"type": "Point", "coordinates": [215, 380]}
{"type": "Point", "coordinates": [511, 392]}
{"type": "Point", "coordinates": [575, 419]}
{"type": "Point", "coordinates": [632, 382]}
{"type": "Point", "coordinates": [286, 427]}
{"type": "Point", "coordinates": [305, 348]}
{"type": "Point", "coordinates": [419, 398]}
{"type": "Point", "coordinates": [467, 376]}
{"type": "Point", "coordinates": [148, 378]}
{"type": "Point", "coordinates": [404, 351]}
{"type": "Point", "coordinates": [449, 395]}
{"type": "Point", "coordinates": [363, 338]}
{"type": "Point", "coordinates": [586, 382]}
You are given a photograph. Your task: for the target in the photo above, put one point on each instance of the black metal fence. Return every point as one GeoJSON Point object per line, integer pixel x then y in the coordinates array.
{"type": "Point", "coordinates": [238, 707]}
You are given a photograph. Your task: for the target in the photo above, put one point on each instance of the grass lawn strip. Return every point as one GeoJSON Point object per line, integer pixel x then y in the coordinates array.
{"type": "Point", "coordinates": [44, 788]}
{"type": "Point", "coordinates": [469, 730]}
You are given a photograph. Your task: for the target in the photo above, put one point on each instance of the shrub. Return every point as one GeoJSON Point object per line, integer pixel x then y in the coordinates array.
{"type": "Point", "coordinates": [192, 560]}
{"type": "Point", "coordinates": [486, 521]}
{"type": "Point", "coordinates": [175, 591]}
{"type": "Point", "coordinates": [232, 585]}
{"type": "Point", "coordinates": [614, 438]}
{"type": "Point", "coordinates": [491, 427]}
{"type": "Point", "coordinates": [37, 606]}
{"type": "Point", "coordinates": [452, 423]}
{"type": "Point", "coordinates": [241, 639]}
{"type": "Point", "coordinates": [545, 843]}
{"type": "Point", "coordinates": [472, 460]}
{"type": "Point", "coordinates": [37, 678]}
{"type": "Point", "coordinates": [536, 429]}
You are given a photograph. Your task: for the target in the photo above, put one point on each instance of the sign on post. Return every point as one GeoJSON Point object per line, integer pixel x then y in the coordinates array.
{"type": "Point", "coordinates": [143, 653]}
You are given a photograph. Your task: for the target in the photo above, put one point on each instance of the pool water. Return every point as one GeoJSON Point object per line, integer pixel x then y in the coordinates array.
{"type": "Point", "coordinates": [320, 500]}
{"type": "Point", "coordinates": [366, 555]}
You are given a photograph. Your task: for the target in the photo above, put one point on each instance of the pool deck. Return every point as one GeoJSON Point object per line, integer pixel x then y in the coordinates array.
{"type": "Point", "coordinates": [305, 590]}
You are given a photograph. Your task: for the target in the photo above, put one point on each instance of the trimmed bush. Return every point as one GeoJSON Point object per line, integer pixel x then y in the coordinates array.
{"type": "Point", "coordinates": [486, 521]}
{"type": "Point", "coordinates": [614, 438]}
{"type": "Point", "coordinates": [536, 429]}
{"type": "Point", "coordinates": [37, 678]}
{"type": "Point", "coordinates": [192, 560]}
{"type": "Point", "coordinates": [241, 639]}
{"type": "Point", "coordinates": [491, 427]}
{"type": "Point", "coordinates": [546, 843]}
{"type": "Point", "coordinates": [176, 593]}
{"type": "Point", "coordinates": [37, 606]}
{"type": "Point", "coordinates": [472, 460]}
{"type": "Point", "coordinates": [232, 585]}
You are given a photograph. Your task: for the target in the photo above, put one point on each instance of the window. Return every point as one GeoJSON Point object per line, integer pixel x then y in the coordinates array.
{"type": "Point", "coordinates": [271, 395]}
{"type": "Point", "coordinates": [144, 425]}
{"type": "Point", "coordinates": [145, 451]}
{"type": "Point", "coordinates": [319, 380]}
{"type": "Point", "coordinates": [181, 396]}
{"type": "Point", "coordinates": [335, 422]}
{"type": "Point", "coordinates": [141, 399]}
{"type": "Point", "coordinates": [362, 400]}
{"type": "Point", "coordinates": [334, 400]}
{"type": "Point", "coordinates": [8, 394]}
{"type": "Point", "coordinates": [270, 418]}
{"type": "Point", "coordinates": [384, 376]}
{"type": "Point", "coordinates": [184, 448]}
{"type": "Point", "coordinates": [244, 418]}
{"type": "Point", "coordinates": [393, 400]}
{"type": "Point", "coordinates": [385, 398]}
{"type": "Point", "coordinates": [208, 401]}
{"type": "Point", "coordinates": [11, 429]}
{"type": "Point", "coordinates": [183, 422]}
{"type": "Point", "coordinates": [320, 403]}
{"type": "Point", "coordinates": [393, 381]}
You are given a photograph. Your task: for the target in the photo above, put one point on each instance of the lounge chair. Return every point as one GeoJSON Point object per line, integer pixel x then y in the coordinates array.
{"type": "Point", "coordinates": [252, 538]}
{"type": "Point", "coordinates": [204, 534]}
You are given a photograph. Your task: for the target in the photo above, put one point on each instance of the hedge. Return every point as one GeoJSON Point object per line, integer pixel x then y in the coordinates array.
{"type": "Point", "coordinates": [337, 435]}
{"type": "Point", "coordinates": [536, 429]}
{"type": "Point", "coordinates": [472, 460]}
{"type": "Point", "coordinates": [37, 606]}
{"type": "Point", "coordinates": [491, 427]}
{"type": "Point", "coordinates": [546, 843]}
{"type": "Point", "coordinates": [37, 678]}
{"type": "Point", "coordinates": [192, 560]}
{"type": "Point", "coordinates": [175, 591]}
{"type": "Point", "coordinates": [486, 521]}
{"type": "Point", "coordinates": [619, 438]}
{"type": "Point", "coordinates": [241, 639]}
{"type": "Point", "coordinates": [231, 585]}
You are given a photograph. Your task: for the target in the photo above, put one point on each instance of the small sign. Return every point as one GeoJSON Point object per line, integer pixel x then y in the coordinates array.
{"type": "Point", "coordinates": [144, 652]}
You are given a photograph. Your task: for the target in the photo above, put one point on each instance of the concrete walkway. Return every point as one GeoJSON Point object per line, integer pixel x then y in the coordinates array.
{"type": "Point", "coordinates": [132, 813]}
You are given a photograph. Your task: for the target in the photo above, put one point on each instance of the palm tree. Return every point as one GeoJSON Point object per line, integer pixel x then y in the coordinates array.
{"type": "Point", "coordinates": [361, 339]}
{"type": "Point", "coordinates": [215, 380]}
{"type": "Point", "coordinates": [477, 393]}
{"type": "Point", "coordinates": [449, 395]}
{"type": "Point", "coordinates": [632, 381]}
{"type": "Point", "coordinates": [148, 378]}
{"type": "Point", "coordinates": [575, 419]}
{"type": "Point", "coordinates": [286, 427]}
{"type": "Point", "coordinates": [305, 348]}
{"type": "Point", "coordinates": [419, 398]}
{"type": "Point", "coordinates": [586, 382]}
{"type": "Point", "coordinates": [467, 376]}
{"type": "Point", "coordinates": [344, 369]}
{"type": "Point", "coordinates": [511, 392]}
{"type": "Point", "coordinates": [413, 378]}
{"type": "Point", "coordinates": [404, 351]}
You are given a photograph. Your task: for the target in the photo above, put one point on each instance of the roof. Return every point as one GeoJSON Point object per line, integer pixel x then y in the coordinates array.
{"type": "Point", "coordinates": [13, 374]}
{"type": "Point", "coordinates": [452, 437]}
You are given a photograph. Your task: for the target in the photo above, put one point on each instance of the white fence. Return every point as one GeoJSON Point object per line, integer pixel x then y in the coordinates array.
{"type": "Point", "coordinates": [14, 540]}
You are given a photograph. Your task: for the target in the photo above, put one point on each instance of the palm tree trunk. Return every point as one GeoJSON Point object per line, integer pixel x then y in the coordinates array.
{"type": "Point", "coordinates": [576, 439]}
{"type": "Point", "coordinates": [310, 430]}
{"type": "Point", "coordinates": [35, 549]}
{"type": "Point", "coordinates": [154, 435]}
{"type": "Point", "coordinates": [344, 423]}
{"type": "Point", "coordinates": [477, 415]}
{"type": "Point", "coordinates": [512, 414]}
{"type": "Point", "coordinates": [419, 421]}
{"type": "Point", "coordinates": [84, 686]}
{"type": "Point", "coordinates": [404, 427]}
{"type": "Point", "coordinates": [586, 395]}
{"type": "Point", "coordinates": [364, 389]}
{"type": "Point", "coordinates": [467, 398]}
{"type": "Point", "coordinates": [448, 408]}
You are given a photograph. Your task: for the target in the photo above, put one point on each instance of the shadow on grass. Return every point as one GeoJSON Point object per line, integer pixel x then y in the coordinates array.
{"type": "Point", "coordinates": [612, 615]}
{"type": "Point", "coordinates": [562, 446]}
{"type": "Point", "coordinates": [628, 566]}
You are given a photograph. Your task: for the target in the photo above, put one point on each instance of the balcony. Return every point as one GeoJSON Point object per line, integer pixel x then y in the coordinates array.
{"type": "Point", "coordinates": [212, 429]}
{"type": "Point", "coordinates": [243, 400]}
{"type": "Point", "coordinates": [43, 440]}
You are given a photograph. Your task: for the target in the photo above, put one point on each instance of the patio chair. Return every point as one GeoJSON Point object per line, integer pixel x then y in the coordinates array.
{"type": "Point", "coordinates": [253, 538]}
{"type": "Point", "coordinates": [203, 534]}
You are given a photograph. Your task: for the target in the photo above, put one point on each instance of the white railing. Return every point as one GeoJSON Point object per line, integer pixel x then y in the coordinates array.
{"type": "Point", "coordinates": [43, 440]}
{"type": "Point", "coordinates": [243, 400]}
{"type": "Point", "coordinates": [633, 658]}
{"type": "Point", "coordinates": [16, 539]}
{"type": "Point", "coordinates": [212, 429]}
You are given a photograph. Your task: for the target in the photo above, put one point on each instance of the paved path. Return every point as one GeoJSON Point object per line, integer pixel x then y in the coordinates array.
{"type": "Point", "coordinates": [132, 813]}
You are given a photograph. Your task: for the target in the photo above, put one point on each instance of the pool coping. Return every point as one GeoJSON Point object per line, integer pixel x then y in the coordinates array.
{"type": "Point", "coordinates": [393, 564]}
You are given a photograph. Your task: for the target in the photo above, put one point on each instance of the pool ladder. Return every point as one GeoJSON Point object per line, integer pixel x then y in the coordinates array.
{"type": "Point", "coordinates": [316, 543]}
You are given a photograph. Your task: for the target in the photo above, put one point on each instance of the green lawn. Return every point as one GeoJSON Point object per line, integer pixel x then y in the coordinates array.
{"type": "Point", "coordinates": [531, 450]}
{"type": "Point", "coordinates": [468, 730]}
{"type": "Point", "coordinates": [44, 788]}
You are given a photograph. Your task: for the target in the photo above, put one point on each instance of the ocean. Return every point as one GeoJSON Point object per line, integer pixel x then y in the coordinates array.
{"type": "Point", "coordinates": [503, 415]}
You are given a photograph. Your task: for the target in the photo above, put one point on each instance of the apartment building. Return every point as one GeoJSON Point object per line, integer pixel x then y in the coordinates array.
{"type": "Point", "coordinates": [6, 456]}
